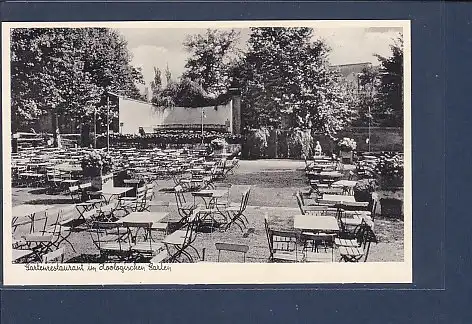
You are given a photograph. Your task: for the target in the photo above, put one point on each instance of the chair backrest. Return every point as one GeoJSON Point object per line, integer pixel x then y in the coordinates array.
{"type": "Point", "coordinates": [179, 196]}
{"type": "Point", "coordinates": [245, 199]}
{"type": "Point", "coordinates": [75, 193]}
{"type": "Point", "coordinates": [319, 210]}
{"type": "Point", "coordinates": [102, 232]}
{"type": "Point", "coordinates": [285, 241]}
{"type": "Point", "coordinates": [300, 202]}
{"type": "Point", "coordinates": [54, 255]}
{"type": "Point", "coordinates": [268, 236]}
{"type": "Point", "coordinates": [354, 205]}
{"type": "Point", "coordinates": [85, 185]}
{"type": "Point", "coordinates": [367, 238]}
{"type": "Point", "coordinates": [232, 247]}
{"type": "Point", "coordinates": [191, 228]}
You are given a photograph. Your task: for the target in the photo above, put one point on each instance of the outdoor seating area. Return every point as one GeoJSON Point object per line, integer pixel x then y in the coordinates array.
{"type": "Point", "coordinates": [181, 205]}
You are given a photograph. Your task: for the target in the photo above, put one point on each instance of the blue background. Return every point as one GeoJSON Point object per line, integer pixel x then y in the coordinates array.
{"type": "Point", "coordinates": [440, 51]}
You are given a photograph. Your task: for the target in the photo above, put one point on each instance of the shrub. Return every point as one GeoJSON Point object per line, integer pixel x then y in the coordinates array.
{"type": "Point", "coordinates": [363, 189]}
{"type": "Point", "coordinates": [389, 170]}
{"type": "Point", "coordinates": [300, 143]}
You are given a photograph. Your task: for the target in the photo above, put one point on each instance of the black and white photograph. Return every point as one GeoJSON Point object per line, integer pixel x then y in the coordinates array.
{"type": "Point", "coordinates": [207, 152]}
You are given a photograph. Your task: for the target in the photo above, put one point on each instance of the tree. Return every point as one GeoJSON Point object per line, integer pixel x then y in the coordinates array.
{"type": "Point", "coordinates": [48, 75]}
{"type": "Point", "coordinates": [67, 72]}
{"type": "Point", "coordinates": [156, 85]}
{"type": "Point", "coordinates": [212, 56]}
{"type": "Point", "coordinates": [365, 99]}
{"type": "Point", "coordinates": [185, 93]}
{"type": "Point", "coordinates": [390, 95]}
{"type": "Point", "coordinates": [285, 77]}
{"type": "Point", "coordinates": [168, 75]}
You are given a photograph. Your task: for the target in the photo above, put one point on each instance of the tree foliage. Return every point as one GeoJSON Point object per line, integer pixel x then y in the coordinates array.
{"type": "Point", "coordinates": [212, 56]}
{"type": "Point", "coordinates": [67, 71]}
{"type": "Point", "coordinates": [156, 86]}
{"type": "Point", "coordinates": [185, 93]}
{"type": "Point", "coordinates": [389, 110]}
{"type": "Point", "coordinates": [285, 78]}
{"type": "Point", "coordinates": [364, 100]}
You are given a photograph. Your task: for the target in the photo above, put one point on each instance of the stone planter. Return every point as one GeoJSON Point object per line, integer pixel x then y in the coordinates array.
{"type": "Point", "coordinates": [391, 207]}
{"type": "Point", "coordinates": [346, 156]}
{"type": "Point", "coordinates": [102, 181]}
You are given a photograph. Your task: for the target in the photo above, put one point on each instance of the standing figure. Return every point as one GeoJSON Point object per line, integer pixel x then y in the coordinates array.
{"type": "Point", "coordinates": [318, 150]}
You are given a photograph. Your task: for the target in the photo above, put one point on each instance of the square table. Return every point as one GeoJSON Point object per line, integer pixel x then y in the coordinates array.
{"type": "Point", "coordinates": [212, 195]}
{"type": "Point", "coordinates": [143, 217]}
{"type": "Point", "coordinates": [339, 198]}
{"type": "Point", "coordinates": [114, 191]}
{"type": "Point", "coordinates": [316, 223]}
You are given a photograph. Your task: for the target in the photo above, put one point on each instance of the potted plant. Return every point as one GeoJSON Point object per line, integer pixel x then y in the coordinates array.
{"type": "Point", "coordinates": [97, 167]}
{"type": "Point", "coordinates": [219, 144]}
{"type": "Point", "coordinates": [363, 189]}
{"type": "Point", "coordinates": [346, 146]}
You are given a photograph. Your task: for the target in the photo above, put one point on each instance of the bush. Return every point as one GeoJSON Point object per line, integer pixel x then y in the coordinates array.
{"type": "Point", "coordinates": [389, 170]}
{"type": "Point", "coordinates": [300, 143]}
{"type": "Point", "coordinates": [363, 189]}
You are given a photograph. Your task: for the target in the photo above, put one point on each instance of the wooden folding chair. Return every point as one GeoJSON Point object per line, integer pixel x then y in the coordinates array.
{"type": "Point", "coordinates": [142, 245]}
{"type": "Point", "coordinates": [236, 213]}
{"type": "Point", "coordinates": [361, 252]}
{"type": "Point", "coordinates": [322, 247]}
{"type": "Point", "coordinates": [179, 242]}
{"type": "Point", "coordinates": [232, 247]}
{"type": "Point", "coordinates": [54, 256]}
{"type": "Point", "coordinates": [184, 208]}
{"type": "Point", "coordinates": [283, 245]}
{"type": "Point", "coordinates": [111, 239]}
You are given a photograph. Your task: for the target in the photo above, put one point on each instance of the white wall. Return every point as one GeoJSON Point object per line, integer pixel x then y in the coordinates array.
{"type": "Point", "coordinates": [134, 114]}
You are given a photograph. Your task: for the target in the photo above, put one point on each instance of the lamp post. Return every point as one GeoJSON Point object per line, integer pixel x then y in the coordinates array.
{"type": "Point", "coordinates": [202, 125]}
{"type": "Point", "coordinates": [108, 123]}
{"type": "Point", "coordinates": [95, 127]}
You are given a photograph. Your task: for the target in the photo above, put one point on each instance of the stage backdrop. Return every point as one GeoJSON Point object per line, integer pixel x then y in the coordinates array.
{"type": "Point", "coordinates": [134, 114]}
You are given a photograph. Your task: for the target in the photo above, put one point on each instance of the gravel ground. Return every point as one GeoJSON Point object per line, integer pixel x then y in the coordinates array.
{"type": "Point", "coordinates": [272, 181]}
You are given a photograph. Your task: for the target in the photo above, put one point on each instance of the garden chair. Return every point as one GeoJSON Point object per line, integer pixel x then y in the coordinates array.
{"type": "Point", "coordinates": [134, 204]}
{"type": "Point", "coordinates": [179, 242]}
{"type": "Point", "coordinates": [361, 252]}
{"type": "Point", "coordinates": [353, 239]}
{"type": "Point", "coordinates": [54, 256]}
{"type": "Point", "coordinates": [225, 201]}
{"type": "Point", "coordinates": [282, 244]}
{"type": "Point", "coordinates": [54, 180]}
{"type": "Point", "coordinates": [232, 164]}
{"type": "Point", "coordinates": [111, 239]}
{"type": "Point", "coordinates": [236, 213]}
{"type": "Point", "coordinates": [80, 204]}
{"type": "Point", "coordinates": [145, 247]}
{"type": "Point", "coordinates": [315, 210]}
{"type": "Point", "coordinates": [184, 208]}
{"type": "Point", "coordinates": [58, 231]}
{"type": "Point", "coordinates": [232, 247]}
{"type": "Point", "coordinates": [321, 246]}
{"type": "Point", "coordinates": [158, 206]}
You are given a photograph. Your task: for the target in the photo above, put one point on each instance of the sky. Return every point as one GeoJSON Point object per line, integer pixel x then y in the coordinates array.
{"type": "Point", "coordinates": [163, 47]}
